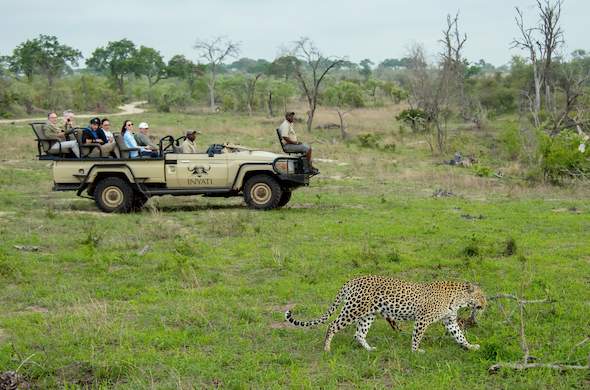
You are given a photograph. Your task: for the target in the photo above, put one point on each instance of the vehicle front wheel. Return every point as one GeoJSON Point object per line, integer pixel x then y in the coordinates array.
{"type": "Point", "coordinates": [113, 195]}
{"type": "Point", "coordinates": [139, 201]}
{"type": "Point", "coordinates": [262, 192]}
{"type": "Point", "coordinates": [285, 198]}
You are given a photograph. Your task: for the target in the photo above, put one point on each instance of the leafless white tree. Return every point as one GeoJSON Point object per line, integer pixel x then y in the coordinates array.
{"type": "Point", "coordinates": [214, 52]}
{"type": "Point", "coordinates": [311, 69]}
{"type": "Point", "coordinates": [540, 42]}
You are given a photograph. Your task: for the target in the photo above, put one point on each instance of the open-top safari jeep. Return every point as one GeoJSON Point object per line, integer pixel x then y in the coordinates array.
{"type": "Point", "coordinates": [265, 180]}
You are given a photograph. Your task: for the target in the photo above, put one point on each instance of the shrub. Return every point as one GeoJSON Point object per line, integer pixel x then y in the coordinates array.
{"type": "Point", "coordinates": [561, 158]}
{"type": "Point", "coordinates": [482, 170]}
{"type": "Point", "coordinates": [511, 141]}
{"type": "Point", "coordinates": [369, 140]}
{"type": "Point", "coordinates": [414, 117]}
{"type": "Point", "coordinates": [509, 247]}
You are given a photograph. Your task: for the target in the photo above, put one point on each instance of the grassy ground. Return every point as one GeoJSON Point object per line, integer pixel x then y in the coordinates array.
{"type": "Point", "coordinates": [202, 305]}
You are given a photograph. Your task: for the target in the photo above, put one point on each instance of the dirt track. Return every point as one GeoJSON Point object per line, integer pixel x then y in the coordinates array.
{"type": "Point", "coordinates": [126, 109]}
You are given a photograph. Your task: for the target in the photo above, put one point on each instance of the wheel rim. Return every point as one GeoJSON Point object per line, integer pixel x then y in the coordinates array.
{"type": "Point", "coordinates": [112, 197]}
{"type": "Point", "coordinates": [260, 193]}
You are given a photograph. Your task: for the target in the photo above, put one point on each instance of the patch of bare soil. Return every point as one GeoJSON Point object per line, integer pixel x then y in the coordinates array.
{"type": "Point", "coordinates": [37, 309]}
{"type": "Point", "coordinates": [82, 212]}
{"type": "Point", "coordinates": [280, 325]}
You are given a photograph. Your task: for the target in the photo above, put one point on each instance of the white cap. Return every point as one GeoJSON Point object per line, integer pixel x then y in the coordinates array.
{"type": "Point", "coordinates": [143, 125]}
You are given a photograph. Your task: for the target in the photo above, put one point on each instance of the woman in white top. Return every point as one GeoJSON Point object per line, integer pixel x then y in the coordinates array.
{"type": "Point", "coordinates": [106, 128]}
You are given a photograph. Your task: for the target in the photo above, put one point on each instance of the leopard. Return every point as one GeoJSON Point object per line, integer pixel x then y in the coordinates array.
{"type": "Point", "coordinates": [365, 297]}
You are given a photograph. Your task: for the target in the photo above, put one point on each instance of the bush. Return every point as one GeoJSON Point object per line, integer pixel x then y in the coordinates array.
{"type": "Point", "coordinates": [561, 158]}
{"type": "Point", "coordinates": [414, 117]}
{"type": "Point", "coordinates": [511, 141]}
{"type": "Point", "coordinates": [170, 97]}
{"type": "Point", "coordinates": [482, 170]}
{"type": "Point", "coordinates": [369, 140]}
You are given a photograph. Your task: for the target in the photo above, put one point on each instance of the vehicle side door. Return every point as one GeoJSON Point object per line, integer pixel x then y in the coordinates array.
{"type": "Point", "coordinates": [196, 170]}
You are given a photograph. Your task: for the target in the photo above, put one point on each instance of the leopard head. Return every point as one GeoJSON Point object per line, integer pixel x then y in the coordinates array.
{"type": "Point", "coordinates": [475, 297]}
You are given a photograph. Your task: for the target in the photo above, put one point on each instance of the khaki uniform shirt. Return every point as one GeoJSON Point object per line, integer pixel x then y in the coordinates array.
{"type": "Point", "coordinates": [53, 132]}
{"type": "Point", "coordinates": [286, 130]}
{"type": "Point", "coordinates": [189, 146]}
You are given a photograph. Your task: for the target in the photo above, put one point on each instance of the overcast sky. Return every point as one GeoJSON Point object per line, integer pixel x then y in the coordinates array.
{"type": "Point", "coordinates": [356, 29]}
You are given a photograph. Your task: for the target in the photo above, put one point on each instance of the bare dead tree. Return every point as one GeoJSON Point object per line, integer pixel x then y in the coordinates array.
{"type": "Point", "coordinates": [453, 65]}
{"type": "Point", "coordinates": [541, 42]}
{"type": "Point", "coordinates": [311, 69]}
{"type": "Point", "coordinates": [552, 36]}
{"type": "Point", "coordinates": [214, 52]}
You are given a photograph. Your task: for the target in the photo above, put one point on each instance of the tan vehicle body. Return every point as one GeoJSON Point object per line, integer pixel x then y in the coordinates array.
{"type": "Point", "coordinates": [265, 179]}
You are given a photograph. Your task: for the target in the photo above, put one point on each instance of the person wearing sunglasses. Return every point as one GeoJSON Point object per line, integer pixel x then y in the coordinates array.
{"type": "Point", "coordinates": [127, 134]}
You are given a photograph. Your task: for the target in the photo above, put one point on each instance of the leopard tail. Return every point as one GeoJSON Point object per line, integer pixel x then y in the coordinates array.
{"type": "Point", "coordinates": [322, 319]}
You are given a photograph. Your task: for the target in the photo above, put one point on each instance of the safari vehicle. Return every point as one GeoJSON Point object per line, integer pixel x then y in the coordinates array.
{"type": "Point", "coordinates": [265, 180]}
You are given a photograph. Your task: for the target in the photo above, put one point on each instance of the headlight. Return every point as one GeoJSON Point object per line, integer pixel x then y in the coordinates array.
{"type": "Point", "coordinates": [285, 166]}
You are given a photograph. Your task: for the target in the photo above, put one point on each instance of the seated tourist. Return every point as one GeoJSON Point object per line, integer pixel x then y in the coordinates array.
{"type": "Point", "coordinates": [68, 125]}
{"type": "Point", "coordinates": [105, 125]}
{"type": "Point", "coordinates": [126, 133]}
{"type": "Point", "coordinates": [143, 138]}
{"type": "Point", "coordinates": [93, 134]}
{"type": "Point", "coordinates": [189, 145]}
{"type": "Point", "coordinates": [52, 132]}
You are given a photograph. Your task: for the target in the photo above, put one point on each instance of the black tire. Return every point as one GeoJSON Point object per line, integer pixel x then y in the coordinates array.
{"type": "Point", "coordinates": [114, 195]}
{"type": "Point", "coordinates": [139, 201]}
{"type": "Point", "coordinates": [285, 198]}
{"type": "Point", "coordinates": [262, 192]}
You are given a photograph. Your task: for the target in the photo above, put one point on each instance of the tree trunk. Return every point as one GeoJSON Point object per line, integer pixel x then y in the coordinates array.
{"type": "Point", "coordinates": [120, 85]}
{"type": "Point", "coordinates": [211, 86]}
{"type": "Point", "coordinates": [270, 112]}
{"type": "Point", "coordinates": [310, 115]}
{"type": "Point", "coordinates": [343, 131]}
{"type": "Point", "coordinates": [537, 106]}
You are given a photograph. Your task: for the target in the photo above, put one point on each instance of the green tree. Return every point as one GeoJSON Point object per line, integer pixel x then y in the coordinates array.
{"type": "Point", "coordinates": [344, 96]}
{"type": "Point", "coordinates": [184, 69]}
{"type": "Point", "coordinates": [366, 68]}
{"type": "Point", "coordinates": [283, 67]}
{"type": "Point", "coordinates": [117, 60]}
{"type": "Point", "coordinates": [148, 62]}
{"type": "Point", "coordinates": [44, 55]}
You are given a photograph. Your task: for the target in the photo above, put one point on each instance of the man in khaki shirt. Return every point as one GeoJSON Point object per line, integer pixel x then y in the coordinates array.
{"type": "Point", "coordinates": [189, 145]}
{"type": "Point", "coordinates": [52, 132]}
{"type": "Point", "coordinates": [290, 142]}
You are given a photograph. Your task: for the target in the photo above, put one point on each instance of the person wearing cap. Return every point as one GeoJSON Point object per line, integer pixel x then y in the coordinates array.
{"type": "Point", "coordinates": [93, 134]}
{"type": "Point", "coordinates": [189, 145]}
{"type": "Point", "coordinates": [130, 142]}
{"type": "Point", "coordinates": [52, 132]}
{"type": "Point", "coordinates": [142, 138]}
{"type": "Point", "coordinates": [290, 142]}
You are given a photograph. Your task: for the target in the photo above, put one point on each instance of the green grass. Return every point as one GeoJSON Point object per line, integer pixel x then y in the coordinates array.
{"type": "Point", "coordinates": [204, 305]}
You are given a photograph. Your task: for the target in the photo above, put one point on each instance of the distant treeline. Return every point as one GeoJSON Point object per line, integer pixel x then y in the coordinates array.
{"type": "Point", "coordinates": [43, 74]}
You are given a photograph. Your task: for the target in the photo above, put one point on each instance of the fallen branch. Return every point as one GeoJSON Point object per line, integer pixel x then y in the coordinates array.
{"type": "Point", "coordinates": [527, 358]}
{"type": "Point", "coordinates": [523, 366]}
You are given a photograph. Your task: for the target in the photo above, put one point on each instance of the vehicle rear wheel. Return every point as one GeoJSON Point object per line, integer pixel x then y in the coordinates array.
{"type": "Point", "coordinates": [285, 198]}
{"type": "Point", "coordinates": [113, 195]}
{"type": "Point", "coordinates": [262, 192]}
